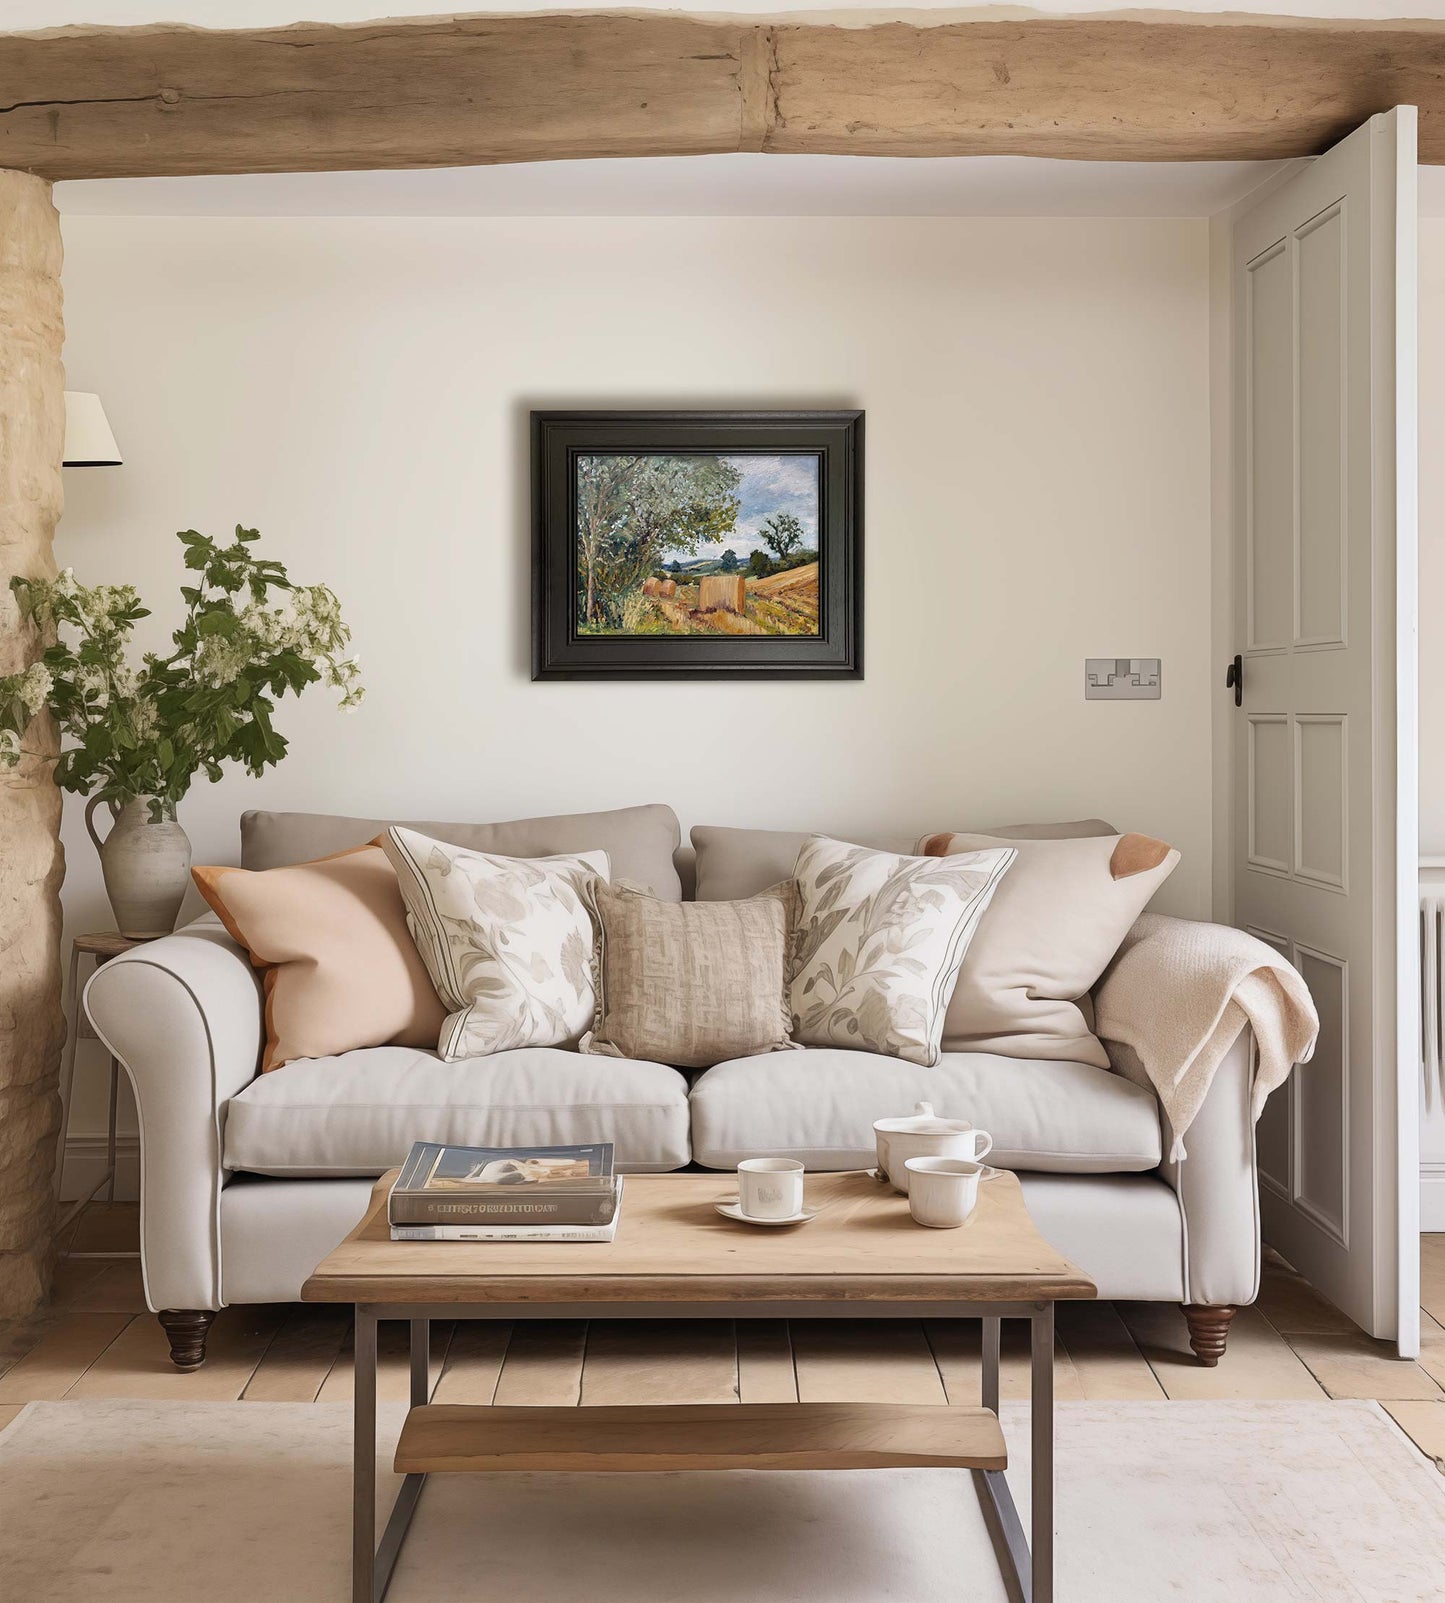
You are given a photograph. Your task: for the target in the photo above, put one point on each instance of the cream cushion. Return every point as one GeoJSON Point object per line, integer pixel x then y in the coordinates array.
{"type": "Point", "coordinates": [818, 1106]}
{"type": "Point", "coordinates": [639, 841]}
{"type": "Point", "coordinates": [878, 941]}
{"type": "Point", "coordinates": [359, 1114]}
{"type": "Point", "coordinates": [338, 966]}
{"type": "Point", "coordinates": [1056, 921]}
{"type": "Point", "coordinates": [691, 983]}
{"type": "Point", "coordinates": [508, 941]}
{"type": "Point", "coordinates": [735, 863]}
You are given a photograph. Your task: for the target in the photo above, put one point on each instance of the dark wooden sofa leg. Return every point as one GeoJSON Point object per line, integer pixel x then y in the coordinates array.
{"type": "Point", "coordinates": [186, 1329]}
{"type": "Point", "coordinates": [1208, 1331]}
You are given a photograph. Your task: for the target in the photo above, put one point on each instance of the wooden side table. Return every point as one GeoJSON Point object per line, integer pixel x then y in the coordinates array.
{"type": "Point", "coordinates": [101, 947]}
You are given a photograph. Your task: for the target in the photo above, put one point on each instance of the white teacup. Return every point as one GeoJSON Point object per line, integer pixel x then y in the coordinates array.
{"type": "Point", "coordinates": [925, 1135]}
{"type": "Point", "coordinates": [770, 1188]}
{"type": "Point", "coordinates": [942, 1191]}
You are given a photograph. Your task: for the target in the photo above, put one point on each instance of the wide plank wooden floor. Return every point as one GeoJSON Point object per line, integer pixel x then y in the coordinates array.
{"type": "Point", "coordinates": [97, 1341]}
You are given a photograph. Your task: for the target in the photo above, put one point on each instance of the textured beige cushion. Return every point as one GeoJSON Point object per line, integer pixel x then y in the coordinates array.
{"type": "Point", "coordinates": [691, 983]}
{"type": "Point", "coordinates": [735, 863]}
{"type": "Point", "coordinates": [878, 942]}
{"type": "Point", "coordinates": [1054, 925]}
{"type": "Point", "coordinates": [339, 969]}
{"type": "Point", "coordinates": [508, 941]}
{"type": "Point", "coordinates": [639, 841]}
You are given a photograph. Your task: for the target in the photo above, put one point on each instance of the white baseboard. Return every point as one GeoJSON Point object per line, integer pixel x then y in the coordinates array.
{"type": "Point", "coordinates": [85, 1163]}
{"type": "Point", "coordinates": [1432, 1197]}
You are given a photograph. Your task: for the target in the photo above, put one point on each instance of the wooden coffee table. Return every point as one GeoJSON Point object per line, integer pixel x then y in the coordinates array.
{"type": "Point", "coordinates": [674, 1257]}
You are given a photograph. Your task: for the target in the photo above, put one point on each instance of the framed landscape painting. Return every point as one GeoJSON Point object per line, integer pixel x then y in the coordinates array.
{"type": "Point", "coordinates": [689, 545]}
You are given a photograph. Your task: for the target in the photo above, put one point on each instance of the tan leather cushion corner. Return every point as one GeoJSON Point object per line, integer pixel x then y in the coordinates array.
{"type": "Point", "coordinates": [1056, 920]}
{"type": "Point", "coordinates": [339, 968]}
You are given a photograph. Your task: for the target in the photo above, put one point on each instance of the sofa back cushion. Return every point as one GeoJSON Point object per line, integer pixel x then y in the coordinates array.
{"type": "Point", "coordinates": [639, 841]}
{"type": "Point", "coordinates": [733, 864]}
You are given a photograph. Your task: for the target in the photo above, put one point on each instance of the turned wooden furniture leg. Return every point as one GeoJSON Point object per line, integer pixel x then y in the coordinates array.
{"type": "Point", "coordinates": [186, 1329]}
{"type": "Point", "coordinates": [1208, 1331]}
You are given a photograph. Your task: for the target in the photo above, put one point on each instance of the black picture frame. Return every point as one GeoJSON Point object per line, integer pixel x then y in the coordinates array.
{"type": "Point", "coordinates": [559, 651]}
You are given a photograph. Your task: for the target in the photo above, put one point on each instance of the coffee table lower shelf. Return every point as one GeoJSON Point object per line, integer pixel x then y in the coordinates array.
{"type": "Point", "coordinates": [452, 1438]}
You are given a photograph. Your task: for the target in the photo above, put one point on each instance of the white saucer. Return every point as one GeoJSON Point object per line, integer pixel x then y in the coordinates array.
{"type": "Point", "coordinates": [731, 1210]}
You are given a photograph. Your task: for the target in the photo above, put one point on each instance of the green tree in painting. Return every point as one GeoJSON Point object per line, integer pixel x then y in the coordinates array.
{"type": "Point", "coordinates": [758, 565]}
{"type": "Point", "coordinates": [631, 510]}
{"type": "Point", "coordinates": [782, 534]}
{"type": "Point", "coordinates": [728, 561]}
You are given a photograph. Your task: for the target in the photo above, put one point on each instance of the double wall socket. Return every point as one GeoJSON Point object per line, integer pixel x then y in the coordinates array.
{"type": "Point", "coordinates": [1121, 678]}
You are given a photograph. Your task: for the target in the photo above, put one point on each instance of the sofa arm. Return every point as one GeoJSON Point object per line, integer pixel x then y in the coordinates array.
{"type": "Point", "coordinates": [1217, 1183]}
{"type": "Point", "coordinates": [184, 1017]}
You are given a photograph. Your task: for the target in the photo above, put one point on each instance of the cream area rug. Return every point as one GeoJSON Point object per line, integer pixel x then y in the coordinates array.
{"type": "Point", "coordinates": [233, 1502]}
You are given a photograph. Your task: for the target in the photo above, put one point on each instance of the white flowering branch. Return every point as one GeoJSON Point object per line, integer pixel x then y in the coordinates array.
{"type": "Point", "coordinates": [149, 731]}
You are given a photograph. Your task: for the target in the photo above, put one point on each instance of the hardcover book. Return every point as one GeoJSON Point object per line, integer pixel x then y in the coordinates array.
{"type": "Point", "coordinates": [505, 1187]}
{"type": "Point", "coordinates": [526, 1232]}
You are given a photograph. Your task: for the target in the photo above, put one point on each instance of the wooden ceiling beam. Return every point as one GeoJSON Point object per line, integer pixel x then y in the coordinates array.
{"type": "Point", "coordinates": [91, 102]}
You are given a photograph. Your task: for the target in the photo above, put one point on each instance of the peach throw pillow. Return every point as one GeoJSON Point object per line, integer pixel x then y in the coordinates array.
{"type": "Point", "coordinates": [340, 969]}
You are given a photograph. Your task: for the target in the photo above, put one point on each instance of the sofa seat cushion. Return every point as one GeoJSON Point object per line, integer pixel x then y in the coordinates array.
{"type": "Point", "coordinates": [359, 1113]}
{"type": "Point", "coordinates": [819, 1106]}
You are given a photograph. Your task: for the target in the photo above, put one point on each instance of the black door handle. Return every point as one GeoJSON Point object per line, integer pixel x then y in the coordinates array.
{"type": "Point", "coordinates": [1234, 679]}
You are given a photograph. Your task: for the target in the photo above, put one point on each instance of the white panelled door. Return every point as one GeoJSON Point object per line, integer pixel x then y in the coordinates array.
{"type": "Point", "coordinates": [1324, 743]}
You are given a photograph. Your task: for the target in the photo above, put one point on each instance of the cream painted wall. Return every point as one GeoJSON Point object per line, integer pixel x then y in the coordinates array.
{"type": "Point", "coordinates": [1038, 485]}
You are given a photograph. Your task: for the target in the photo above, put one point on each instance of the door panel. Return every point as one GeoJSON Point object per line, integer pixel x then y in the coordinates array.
{"type": "Point", "coordinates": [1324, 805]}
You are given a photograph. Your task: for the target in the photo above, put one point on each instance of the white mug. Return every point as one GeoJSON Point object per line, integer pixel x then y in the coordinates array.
{"type": "Point", "coordinates": [770, 1188]}
{"type": "Point", "coordinates": [942, 1191]}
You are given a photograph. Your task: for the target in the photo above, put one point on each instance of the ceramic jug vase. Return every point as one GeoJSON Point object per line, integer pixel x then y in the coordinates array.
{"type": "Point", "coordinates": [146, 864]}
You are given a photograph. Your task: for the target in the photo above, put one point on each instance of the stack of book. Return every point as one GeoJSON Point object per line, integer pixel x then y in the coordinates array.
{"type": "Point", "coordinates": [505, 1194]}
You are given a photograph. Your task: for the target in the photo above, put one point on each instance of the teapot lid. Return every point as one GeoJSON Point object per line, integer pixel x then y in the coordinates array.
{"type": "Point", "coordinates": [922, 1121]}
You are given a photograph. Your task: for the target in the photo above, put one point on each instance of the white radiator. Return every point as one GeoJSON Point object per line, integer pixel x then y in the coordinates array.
{"type": "Point", "coordinates": [1432, 1043]}
{"type": "Point", "coordinates": [1432, 982]}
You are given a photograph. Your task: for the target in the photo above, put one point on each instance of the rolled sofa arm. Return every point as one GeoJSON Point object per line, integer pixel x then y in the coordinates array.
{"type": "Point", "coordinates": [1217, 1183]}
{"type": "Point", "coordinates": [184, 1017]}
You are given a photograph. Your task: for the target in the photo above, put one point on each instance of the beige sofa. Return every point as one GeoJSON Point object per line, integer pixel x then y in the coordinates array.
{"type": "Point", "coordinates": [248, 1180]}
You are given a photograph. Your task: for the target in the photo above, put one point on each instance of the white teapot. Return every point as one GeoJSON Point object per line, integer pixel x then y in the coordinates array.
{"type": "Point", "coordinates": [925, 1135]}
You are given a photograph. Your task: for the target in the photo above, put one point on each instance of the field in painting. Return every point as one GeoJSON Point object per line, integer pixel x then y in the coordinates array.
{"type": "Point", "coordinates": [697, 544]}
{"type": "Point", "coordinates": [782, 604]}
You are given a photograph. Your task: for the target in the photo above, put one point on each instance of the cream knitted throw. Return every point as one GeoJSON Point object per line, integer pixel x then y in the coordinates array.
{"type": "Point", "coordinates": [1178, 993]}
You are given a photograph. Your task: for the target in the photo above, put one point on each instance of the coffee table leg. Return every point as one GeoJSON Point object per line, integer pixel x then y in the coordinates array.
{"type": "Point", "coordinates": [1026, 1564]}
{"type": "Point", "coordinates": [990, 1362]}
{"type": "Point", "coordinates": [363, 1468]}
{"type": "Point", "coordinates": [420, 1362]}
{"type": "Point", "coordinates": [1041, 1422]}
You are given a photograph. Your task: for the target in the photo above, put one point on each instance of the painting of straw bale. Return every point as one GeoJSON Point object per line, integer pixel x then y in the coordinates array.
{"type": "Point", "coordinates": [697, 544]}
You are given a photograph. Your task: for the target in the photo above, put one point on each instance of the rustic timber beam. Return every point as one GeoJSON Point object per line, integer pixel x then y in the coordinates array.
{"type": "Point", "coordinates": [91, 102]}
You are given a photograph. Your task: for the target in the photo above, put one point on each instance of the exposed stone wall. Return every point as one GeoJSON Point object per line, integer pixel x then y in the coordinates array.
{"type": "Point", "coordinates": [32, 437]}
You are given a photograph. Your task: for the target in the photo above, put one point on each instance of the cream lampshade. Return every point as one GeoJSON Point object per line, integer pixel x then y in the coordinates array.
{"type": "Point", "coordinates": [88, 440]}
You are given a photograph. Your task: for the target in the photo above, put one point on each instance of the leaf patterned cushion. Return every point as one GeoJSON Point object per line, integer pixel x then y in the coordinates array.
{"type": "Point", "coordinates": [508, 941]}
{"type": "Point", "coordinates": [879, 941]}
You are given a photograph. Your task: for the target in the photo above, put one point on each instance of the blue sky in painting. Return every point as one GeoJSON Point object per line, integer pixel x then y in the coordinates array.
{"type": "Point", "coordinates": [770, 484]}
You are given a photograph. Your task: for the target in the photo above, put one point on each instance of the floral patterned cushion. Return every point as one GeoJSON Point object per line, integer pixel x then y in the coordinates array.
{"type": "Point", "coordinates": [507, 941]}
{"type": "Point", "coordinates": [879, 941]}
